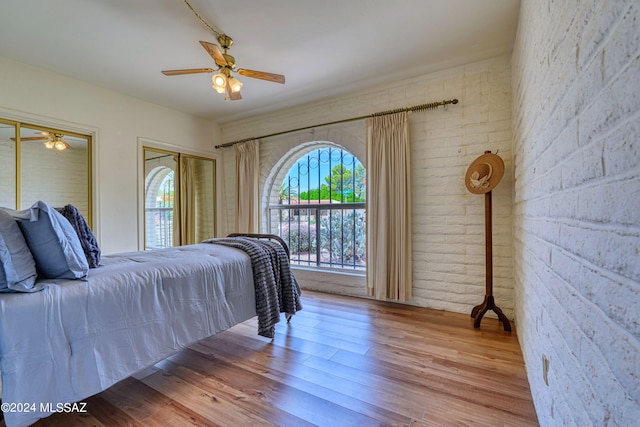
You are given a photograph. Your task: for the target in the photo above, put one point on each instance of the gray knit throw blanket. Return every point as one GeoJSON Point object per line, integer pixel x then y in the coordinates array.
{"type": "Point", "coordinates": [277, 290]}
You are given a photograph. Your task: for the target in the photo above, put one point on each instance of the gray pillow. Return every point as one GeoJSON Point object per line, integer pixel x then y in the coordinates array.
{"type": "Point", "coordinates": [85, 235]}
{"type": "Point", "coordinates": [53, 242]}
{"type": "Point", "coordinates": [17, 267]}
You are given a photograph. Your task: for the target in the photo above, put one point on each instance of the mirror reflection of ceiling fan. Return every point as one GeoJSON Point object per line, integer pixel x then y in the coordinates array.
{"type": "Point", "coordinates": [53, 141]}
{"type": "Point", "coordinates": [223, 81]}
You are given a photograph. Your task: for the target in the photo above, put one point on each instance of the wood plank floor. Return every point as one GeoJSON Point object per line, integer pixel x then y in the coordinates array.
{"type": "Point", "coordinates": [342, 361]}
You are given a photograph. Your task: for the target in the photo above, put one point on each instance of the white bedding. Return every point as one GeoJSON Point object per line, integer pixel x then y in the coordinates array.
{"type": "Point", "coordinates": [77, 338]}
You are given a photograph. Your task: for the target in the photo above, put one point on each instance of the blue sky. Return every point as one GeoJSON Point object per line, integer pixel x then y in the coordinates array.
{"type": "Point", "coordinates": [320, 164]}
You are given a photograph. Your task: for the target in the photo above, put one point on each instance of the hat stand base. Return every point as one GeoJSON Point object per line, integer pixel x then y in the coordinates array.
{"type": "Point", "coordinates": [489, 304]}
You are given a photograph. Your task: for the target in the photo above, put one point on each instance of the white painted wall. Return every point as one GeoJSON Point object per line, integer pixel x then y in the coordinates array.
{"type": "Point", "coordinates": [576, 79]}
{"type": "Point", "coordinates": [117, 121]}
{"type": "Point", "coordinates": [448, 221]}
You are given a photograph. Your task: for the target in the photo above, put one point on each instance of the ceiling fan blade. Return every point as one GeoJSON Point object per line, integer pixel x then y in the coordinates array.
{"type": "Point", "coordinates": [215, 53]}
{"type": "Point", "coordinates": [187, 71]}
{"type": "Point", "coordinates": [31, 138]}
{"type": "Point", "coordinates": [235, 96]}
{"type": "Point", "coordinates": [276, 78]}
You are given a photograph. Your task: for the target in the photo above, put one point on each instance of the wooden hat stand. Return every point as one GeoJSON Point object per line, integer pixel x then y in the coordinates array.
{"type": "Point", "coordinates": [482, 176]}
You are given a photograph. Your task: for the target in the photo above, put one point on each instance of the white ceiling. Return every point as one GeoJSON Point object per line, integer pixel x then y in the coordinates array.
{"type": "Point", "coordinates": [324, 47]}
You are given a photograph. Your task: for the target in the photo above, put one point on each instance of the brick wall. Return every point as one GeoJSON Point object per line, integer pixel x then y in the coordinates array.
{"type": "Point", "coordinates": [56, 177]}
{"type": "Point", "coordinates": [7, 173]}
{"type": "Point", "coordinates": [448, 221]}
{"type": "Point", "coordinates": [576, 80]}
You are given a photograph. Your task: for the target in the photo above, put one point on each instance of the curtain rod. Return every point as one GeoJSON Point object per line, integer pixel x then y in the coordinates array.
{"type": "Point", "coordinates": [422, 107]}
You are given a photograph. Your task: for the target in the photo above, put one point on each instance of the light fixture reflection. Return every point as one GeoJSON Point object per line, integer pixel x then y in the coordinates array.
{"type": "Point", "coordinates": [57, 143]}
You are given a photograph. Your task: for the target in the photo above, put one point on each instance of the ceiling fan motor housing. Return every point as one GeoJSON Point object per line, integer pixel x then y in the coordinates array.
{"type": "Point", "coordinates": [231, 61]}
{"type": "Point", "coordinates": [225, 41]}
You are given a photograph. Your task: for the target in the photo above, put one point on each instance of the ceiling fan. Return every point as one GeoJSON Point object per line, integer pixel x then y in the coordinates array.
{"type": "Point", "coordinates": [223, 81]}
{"type": "Point", "coordinates": [52, 140]}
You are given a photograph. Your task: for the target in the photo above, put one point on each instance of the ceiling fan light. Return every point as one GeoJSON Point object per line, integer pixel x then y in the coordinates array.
{"type": "Point", "coordinates": [49, 144]}
{"type": "Point", "coordinates": [60, 145]}
{"type": "Point", "coordinates": [234, 84]}
{"type": "Point", "coordinates": [219, 82]}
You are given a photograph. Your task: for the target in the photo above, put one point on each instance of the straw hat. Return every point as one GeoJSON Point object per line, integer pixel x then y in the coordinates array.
{"type": "Point", "coordinates": [484, 173]}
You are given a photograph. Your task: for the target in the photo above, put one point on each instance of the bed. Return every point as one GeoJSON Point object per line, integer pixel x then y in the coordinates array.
{"type": "Point", "coordinates": [76, 338]}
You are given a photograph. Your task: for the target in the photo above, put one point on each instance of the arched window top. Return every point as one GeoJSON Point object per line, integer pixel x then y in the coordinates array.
{"type": "Point", "coordinates": [324, 175]}
{"type": "Point", "coordinates": [156, 184]}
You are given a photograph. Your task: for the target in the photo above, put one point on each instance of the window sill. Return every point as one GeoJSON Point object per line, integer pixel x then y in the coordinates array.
{"type": "Point", "coordinates": [342, 272]}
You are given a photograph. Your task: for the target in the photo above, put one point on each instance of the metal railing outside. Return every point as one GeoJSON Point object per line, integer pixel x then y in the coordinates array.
{"type": "Point", "coordinates": [322, 235]}
{"type": "Point", "coordinates": [160, 234]}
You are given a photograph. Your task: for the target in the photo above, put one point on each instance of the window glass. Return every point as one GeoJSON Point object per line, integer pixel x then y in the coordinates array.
{"type": "Point", "coordinates": [321, 210]}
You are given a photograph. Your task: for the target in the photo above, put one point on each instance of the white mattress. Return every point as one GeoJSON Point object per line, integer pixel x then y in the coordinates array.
{"type": "Point", "coordinates": [77, 338]}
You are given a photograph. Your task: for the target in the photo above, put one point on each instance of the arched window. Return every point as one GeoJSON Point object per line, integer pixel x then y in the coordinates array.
{"type": "Point", "coordinates": [159, 208]}
{"type": "Point", "coordinates": [320, 210]}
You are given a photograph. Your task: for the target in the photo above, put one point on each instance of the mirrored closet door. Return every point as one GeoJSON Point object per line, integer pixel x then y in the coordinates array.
{"type": "Point", "coordinates": [42, 163]}
{"type": "Point", "coordinates": [179, 198]}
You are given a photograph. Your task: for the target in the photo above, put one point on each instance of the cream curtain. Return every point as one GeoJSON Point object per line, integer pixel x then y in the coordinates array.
{"type": "Point", "coordinates": [187, 202]}
{"type": "Point", "coordinates": [389, 270]}
{"type": "Point", "coordinates": [197, 199]}
{"type": "Point", "coordinates": [247, 180]}
{"type": "Point", "coordinates": [175, 225]}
